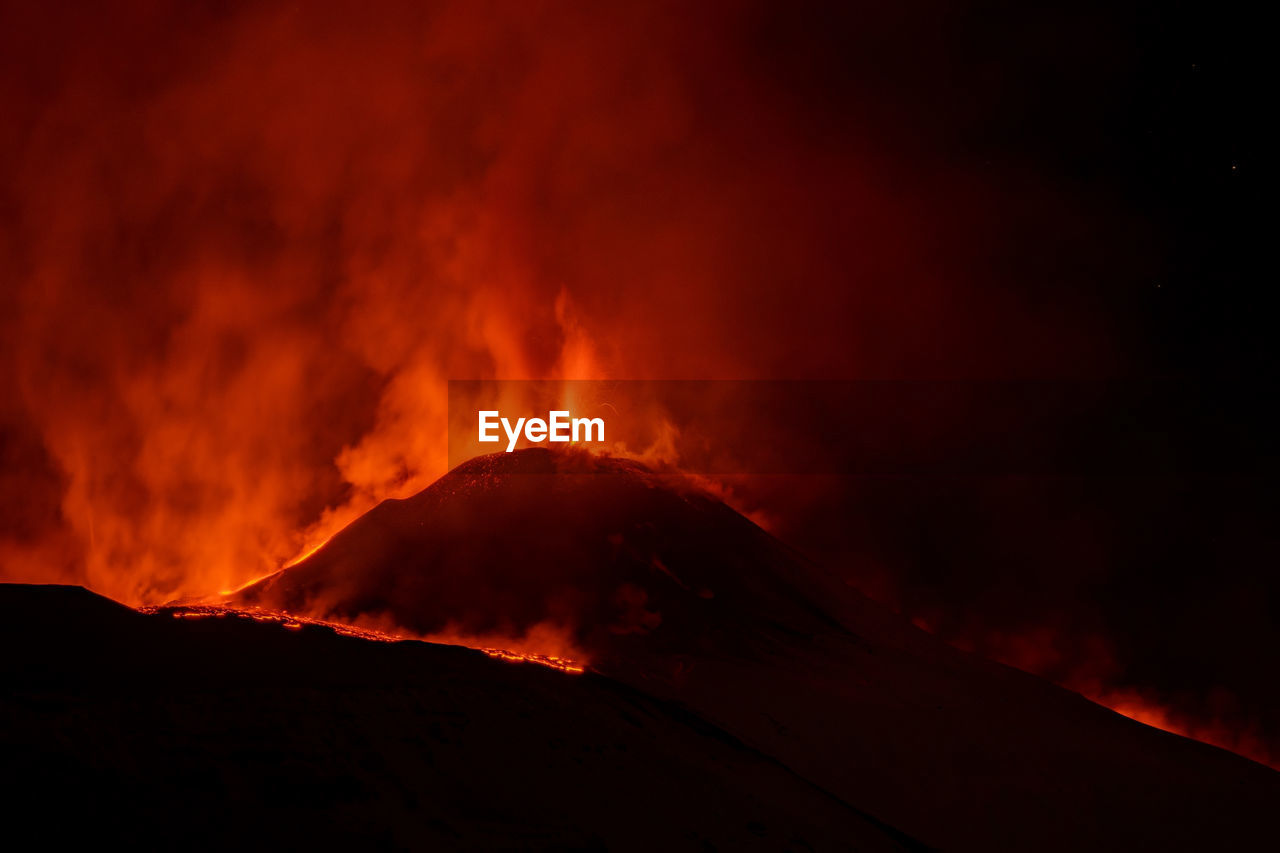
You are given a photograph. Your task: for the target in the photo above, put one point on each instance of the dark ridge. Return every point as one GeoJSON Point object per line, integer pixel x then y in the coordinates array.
{"type": "Point", "coordinates": [145, 729]}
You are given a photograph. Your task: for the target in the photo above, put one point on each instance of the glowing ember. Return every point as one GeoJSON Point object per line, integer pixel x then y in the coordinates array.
{"type": "Point", "coordinates": [304, 555]}
{"type": "Point", "coordinates": [295, 622]}
{"type": "Point", "coordinates": [563, 664]}
{"type": "Point", "coordinates": [250, 583]}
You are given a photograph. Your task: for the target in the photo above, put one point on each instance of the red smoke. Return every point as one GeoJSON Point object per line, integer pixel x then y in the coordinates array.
{"type": "Point", "coordinates": [245, 247]}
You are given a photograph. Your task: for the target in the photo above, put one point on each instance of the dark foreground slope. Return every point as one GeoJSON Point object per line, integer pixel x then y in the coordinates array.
{"type": "Point", "coordinates": [673, 593]}
{"type": "Point", "coordinates": [227, 732]}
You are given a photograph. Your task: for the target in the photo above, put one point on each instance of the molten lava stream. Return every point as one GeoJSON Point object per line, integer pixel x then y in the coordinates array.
{"type": "Point", "coordinates": [295, 622]}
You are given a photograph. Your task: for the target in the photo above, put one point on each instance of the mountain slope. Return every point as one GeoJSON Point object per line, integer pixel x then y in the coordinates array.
{"type": "Point", "coordinates": [226, 732]}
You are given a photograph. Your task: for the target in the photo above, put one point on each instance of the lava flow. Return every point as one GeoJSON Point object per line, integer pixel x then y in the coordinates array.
{"type": "Point", "coordinates": [294, 622]}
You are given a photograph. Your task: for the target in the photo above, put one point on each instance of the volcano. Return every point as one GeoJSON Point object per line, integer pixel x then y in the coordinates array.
{"type": "Point", "coordinates": [735, 696]}
{"type": "Point", "coordinates": [662, 587]}
{"type": "Point", "coordinates": [619, 564]}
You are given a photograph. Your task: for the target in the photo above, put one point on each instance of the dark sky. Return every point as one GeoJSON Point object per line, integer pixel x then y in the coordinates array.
{"type": "Point", "coordinates": [1131, 141]}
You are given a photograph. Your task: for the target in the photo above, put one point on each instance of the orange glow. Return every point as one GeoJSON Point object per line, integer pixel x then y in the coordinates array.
{"type": "Point", "coordinates": [1144, 712]}
{"type": "Point", "coordinates": [252, 581]}
{"type": "Point", "coordinates": [298, 559]}
{"type": "Point", "coordinates": [562, 664]}
{"type": "Point", "coordinates": [244, 256]}
{"type": "Point", "coordinates": [246, 284]}
{"type": "Point", "coordinates": [546, 643]}
{"type": "Point", "coordinates": [1088, 667]}
{"type": "Point", "coordinates": [1139, 705]}
{"type": "Point", "coordinates": [294, 622]}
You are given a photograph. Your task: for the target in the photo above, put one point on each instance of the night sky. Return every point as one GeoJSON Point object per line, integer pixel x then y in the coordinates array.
{"type": "Point", "coordinates": [1130, 140]}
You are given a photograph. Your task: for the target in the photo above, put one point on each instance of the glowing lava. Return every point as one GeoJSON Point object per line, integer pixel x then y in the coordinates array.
{"type": "Point", "coordinates": [294, 622]}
